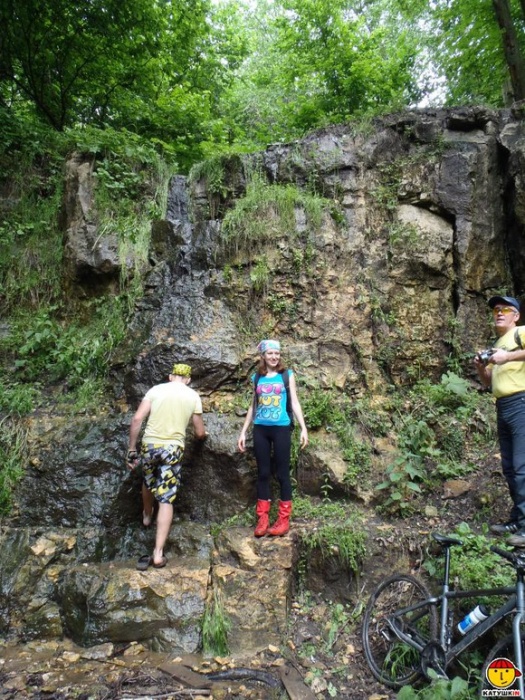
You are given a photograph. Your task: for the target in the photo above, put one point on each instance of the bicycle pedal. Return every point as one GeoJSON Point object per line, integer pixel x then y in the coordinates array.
{"type": "Point", "coordinates": [433, 661]}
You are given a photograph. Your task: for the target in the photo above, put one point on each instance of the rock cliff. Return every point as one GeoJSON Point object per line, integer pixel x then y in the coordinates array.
{"type": "Point", "coordinates": [369, 252]}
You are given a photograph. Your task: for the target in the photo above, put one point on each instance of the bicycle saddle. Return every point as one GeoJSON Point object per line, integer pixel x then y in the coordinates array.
{"type": "Point", "coordinates": [445, 540]}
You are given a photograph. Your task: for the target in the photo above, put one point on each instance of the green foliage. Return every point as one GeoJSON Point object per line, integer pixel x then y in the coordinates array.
{"type": "Point", "coordinates": [155, 69]}
{"type": "Point", "coordinates": [473, 565]}
{"type": "Point", "coordinates": [215, 627]}
{"type": "Point", "coordinates": [324, 408]}
{"type": "Point", "coordinates": [403, 236]}
{"type": "Point", "coordinates": [314, 63]}
{"type": "Point", "coordinates": [318, 407]}
{"type": "Point", "coordinates": [402, 482]}
{"type": "Point", "coordinates": [213, 171]}
{"type": "Point", "coordinates": [344, 540]}
{"type": "Point", "coordinates": [260, 274]}
{"type": "Point", "coordinates": [267, 212]}
{"type": "Point", "coordinates": [51, 347]}
{"type": "Point", "coordinates": [432, 426]}
{"type": "Point", "coordinates": [198, 78]}
{"type": "Point", "coordinates": [474, 42]}
{"type": "Point", "coordinates": [340, 618]}
{"type": "Point", "coordinates": [439, 689]}
{"type": "Point", "coordinates": [245, 518]}
{"type": "Point", "coordinates": [17, 398]}
{"type": "Point", "coordinates": [30, 239]}
{"type": "Point", "coordinates": [60, 352]}
{"type": "Point", "coordinates": [46, 336]}
{"type": "Point", "coordinates": [356, 452]}
{"type": "Point", "coordinates": [12, 456]}
{"type": "Point", "coordinates": [338, 534]}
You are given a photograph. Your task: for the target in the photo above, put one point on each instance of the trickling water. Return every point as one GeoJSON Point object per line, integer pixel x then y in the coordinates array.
{"type": "Point", "coordinates": [177, 207]}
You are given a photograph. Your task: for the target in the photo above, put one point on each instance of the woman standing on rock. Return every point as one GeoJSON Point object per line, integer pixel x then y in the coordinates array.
{"type": "Point", "coordinates": [274, 404]}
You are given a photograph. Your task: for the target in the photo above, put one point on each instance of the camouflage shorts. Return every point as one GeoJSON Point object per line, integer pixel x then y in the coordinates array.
{"type": "Point", "coordinates": [161, 465]}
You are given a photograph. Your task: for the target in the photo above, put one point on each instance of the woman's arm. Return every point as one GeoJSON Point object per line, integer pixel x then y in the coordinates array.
{"type": "Point", "coordinates": [298, 411]}
{"type": "Point", "coordinates": [241, 443]}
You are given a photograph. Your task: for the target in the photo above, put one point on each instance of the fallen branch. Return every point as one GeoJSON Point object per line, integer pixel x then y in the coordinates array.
{"type": "Point", "coordinates": [186, 693]}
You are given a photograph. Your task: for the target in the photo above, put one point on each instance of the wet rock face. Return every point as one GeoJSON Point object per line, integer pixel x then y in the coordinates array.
{"type": "Point", "coordinates": [57, 583]}
{"type": "Point", "coordinates": [79, 472]}
{"type": "Point", "coordinates": [112, 602]}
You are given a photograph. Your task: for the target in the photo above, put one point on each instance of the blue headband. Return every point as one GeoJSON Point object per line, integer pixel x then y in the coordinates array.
{"type": "Point", "coordinates": [265, 345]}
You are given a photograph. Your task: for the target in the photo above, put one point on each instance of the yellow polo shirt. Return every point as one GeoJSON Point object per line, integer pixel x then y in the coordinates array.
{"type": "Point", "coordinates": [509, 378]}
{"type": "Point", "coordinates": [172, 406]}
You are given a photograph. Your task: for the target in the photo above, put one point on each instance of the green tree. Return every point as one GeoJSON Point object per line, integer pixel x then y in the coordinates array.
{"type": "Point", "coordinates": [312, 62]}
{"type": "Point", "coordinates": [476, 46]}
{"type": "Point", "coordinates": [76, 62]}
{"type": "Point", "coordinates": [153, 68]}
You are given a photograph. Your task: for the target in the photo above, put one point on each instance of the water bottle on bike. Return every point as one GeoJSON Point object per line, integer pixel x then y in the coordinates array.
{"type": "Point", "coordinates": [479, 613]}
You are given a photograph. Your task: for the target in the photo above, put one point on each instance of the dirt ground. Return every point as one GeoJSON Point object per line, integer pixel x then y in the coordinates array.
{"type": "Point", "coordinates": [328, 657]}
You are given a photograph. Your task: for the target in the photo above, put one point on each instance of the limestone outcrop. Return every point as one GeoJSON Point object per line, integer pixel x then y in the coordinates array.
{"type": "Point", "coordinates": [421, 218]}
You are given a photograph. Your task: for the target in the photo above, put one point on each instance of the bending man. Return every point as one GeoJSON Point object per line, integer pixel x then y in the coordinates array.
{"type": "Point", "coordinates": [169, 407]}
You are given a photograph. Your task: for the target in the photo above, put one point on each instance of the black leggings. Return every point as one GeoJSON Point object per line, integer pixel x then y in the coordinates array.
{"type": "Point", "coordinates": [280, 437]}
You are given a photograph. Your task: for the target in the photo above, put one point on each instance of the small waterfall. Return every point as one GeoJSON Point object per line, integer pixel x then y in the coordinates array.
{"type": "Point", "coordinates": [177, 207]}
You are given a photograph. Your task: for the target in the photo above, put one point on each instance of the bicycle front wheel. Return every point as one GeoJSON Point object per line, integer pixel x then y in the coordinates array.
{"type": "Point", "coordinates": [393, 662]}
{"type": "Point", "coordinates": [504, 649]}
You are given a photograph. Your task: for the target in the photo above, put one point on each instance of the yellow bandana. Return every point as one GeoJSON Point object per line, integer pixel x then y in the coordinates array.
{"type": "Point", "coordinates": [181, 370]}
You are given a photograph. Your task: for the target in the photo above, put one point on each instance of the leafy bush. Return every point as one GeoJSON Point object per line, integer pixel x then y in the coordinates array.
{"type": "Point", "coordinates": [318, 407]}
{"type": "Point", "coordinates": [432, 424]}
{"type": "Point", "coordinates": [57, 348]}
{"type": "Point", "coordinates": [12, 455]}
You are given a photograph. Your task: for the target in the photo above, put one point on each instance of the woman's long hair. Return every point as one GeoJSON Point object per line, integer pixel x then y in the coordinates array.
{"type": "Point", "coordinates": [262, 367]}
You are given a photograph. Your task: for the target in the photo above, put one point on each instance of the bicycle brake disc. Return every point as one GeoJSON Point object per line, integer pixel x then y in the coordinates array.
{"type": "Point", "coordinates": [433, 658]}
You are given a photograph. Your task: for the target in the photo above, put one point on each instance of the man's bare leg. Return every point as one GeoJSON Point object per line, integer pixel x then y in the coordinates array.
{"type": "Point", "coordinates": [148, 501]}
{"type": "Point", "coordinates": [164, 519]}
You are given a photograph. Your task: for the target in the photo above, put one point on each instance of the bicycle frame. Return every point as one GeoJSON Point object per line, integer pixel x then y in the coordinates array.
{"type": "Point", "coordinates": [514, 605]}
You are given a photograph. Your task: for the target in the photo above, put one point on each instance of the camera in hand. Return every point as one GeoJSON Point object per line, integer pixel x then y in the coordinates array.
{"type": "Point", "coordinates": [485, 355]}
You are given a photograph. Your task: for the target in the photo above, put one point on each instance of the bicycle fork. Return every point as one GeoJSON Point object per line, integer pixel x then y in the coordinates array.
{"type": "Point", "coordinates": [516, 629]}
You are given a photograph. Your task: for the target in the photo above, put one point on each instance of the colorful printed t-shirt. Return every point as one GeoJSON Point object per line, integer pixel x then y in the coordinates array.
{"type": "Point", "coordinates": [271, 401]}
{"type": "Point", "coordinates": [172, 406]}
{"type": "Point", "coordinates": [509, 378]}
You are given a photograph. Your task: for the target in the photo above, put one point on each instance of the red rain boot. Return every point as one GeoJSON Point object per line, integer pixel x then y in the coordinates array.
{"type": "Point", "coordinates": [282, 524]}
{"type": "Point", "coordinates": [262, 510]}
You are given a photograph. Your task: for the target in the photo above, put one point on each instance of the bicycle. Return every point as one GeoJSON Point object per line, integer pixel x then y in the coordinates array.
{"type": "Point", "coordinates": [403, 641]}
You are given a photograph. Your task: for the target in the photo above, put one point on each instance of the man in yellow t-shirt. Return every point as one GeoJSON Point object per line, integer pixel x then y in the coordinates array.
{"type": "Point", "coordinates": [169, 408]}
{"type": "Point", "coordinates": [504, 373]}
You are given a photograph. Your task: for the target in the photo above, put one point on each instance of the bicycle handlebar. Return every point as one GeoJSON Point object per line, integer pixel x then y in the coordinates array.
{"type": "Point", "coordinates": [517, 560]}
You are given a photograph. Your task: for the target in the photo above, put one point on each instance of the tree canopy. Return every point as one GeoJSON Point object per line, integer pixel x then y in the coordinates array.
{"type": "Point", "coordinates": [197, 77]}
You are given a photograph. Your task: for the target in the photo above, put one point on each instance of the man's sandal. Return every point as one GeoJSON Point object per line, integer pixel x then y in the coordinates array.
{"type": "Point", "coordinates": [143, 563]}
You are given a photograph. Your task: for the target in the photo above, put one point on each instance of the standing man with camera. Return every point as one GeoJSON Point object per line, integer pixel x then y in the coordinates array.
{"type": "Point", "coordinates": [169, 408]}
{"type": "Point", "coordinates": [502, 368]}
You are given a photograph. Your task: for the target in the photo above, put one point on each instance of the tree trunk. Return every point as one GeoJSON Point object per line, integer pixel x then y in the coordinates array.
{"type": "Point", "coordinates": [513, 55]}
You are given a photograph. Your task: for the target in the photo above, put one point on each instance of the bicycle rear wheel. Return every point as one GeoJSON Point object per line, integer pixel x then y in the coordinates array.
{"type": "Point", "coordinates": [393, 662]}
{"type": "Point", "coordinates": [504, 649]}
